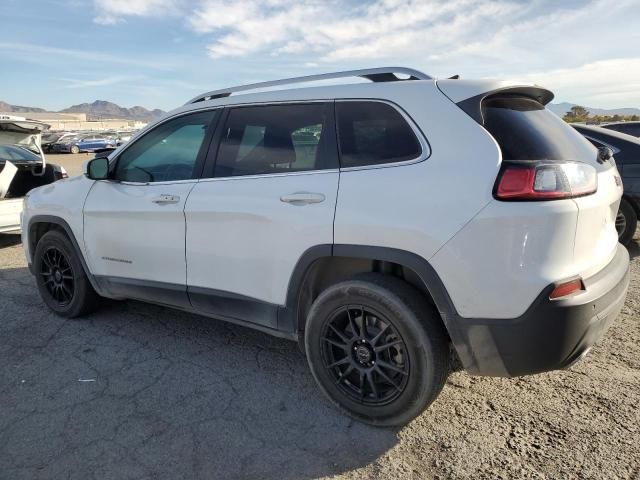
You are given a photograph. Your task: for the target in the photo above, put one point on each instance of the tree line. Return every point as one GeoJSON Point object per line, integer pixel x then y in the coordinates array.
{"type": "Point", "coordinates": [581, 114]}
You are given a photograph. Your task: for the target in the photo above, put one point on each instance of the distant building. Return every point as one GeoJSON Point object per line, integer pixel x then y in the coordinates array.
{"type": "Point", "coordinates": [78, 121]}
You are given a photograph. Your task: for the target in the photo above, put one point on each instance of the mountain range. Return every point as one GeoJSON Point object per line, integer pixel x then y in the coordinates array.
{"type": "Point", "coordinates": [100, 109]}
{"type": "Point", "coordinates": [561, 109]}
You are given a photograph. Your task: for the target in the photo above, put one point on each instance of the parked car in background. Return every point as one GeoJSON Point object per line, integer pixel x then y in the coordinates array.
{"type": "Point", "coordinates": [123, 137]}
{"type": "Point", "coordinates": [630, 128]}
{"type": "Point", "coordinates": [85, 143]}
{"type": "Point", "coordinates": [49, 138]}
{"type": "Point", "coordinates": [22, 167]}
{"type": "Point", "coordinates": [382, 225]}
{"type": "Point", "coordinates": [626, 151]}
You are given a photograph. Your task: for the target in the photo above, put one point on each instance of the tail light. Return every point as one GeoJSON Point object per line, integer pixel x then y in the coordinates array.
{"type": "Point", "coordinates": [545, 181]}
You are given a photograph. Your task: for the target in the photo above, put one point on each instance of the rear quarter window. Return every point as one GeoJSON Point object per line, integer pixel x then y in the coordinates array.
{"type": "Point", "coordinates": [374, 133]}
{"type": "Point", "coordinates": [526, 130]}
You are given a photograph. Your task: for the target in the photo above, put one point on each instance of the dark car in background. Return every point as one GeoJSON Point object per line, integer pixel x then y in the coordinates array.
{"type": "Point", "coordinates": [49, 138]}
{"type": "Point", "coordinates": [83, 143]}
{"type": "Point", "coordinates": [28, 162]}
{"type": "Point", "coordinates": [630, 128]}
{"type": "Point", "coordinates": [626, 152]}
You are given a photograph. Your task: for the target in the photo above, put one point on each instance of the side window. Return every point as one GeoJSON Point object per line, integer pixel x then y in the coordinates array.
{"type": "Point", "coordinates": [274, 139]}
{"type": "Point", "coordinates": [373, 133]}
{"type": "Point", "coordinates": [166, 153]}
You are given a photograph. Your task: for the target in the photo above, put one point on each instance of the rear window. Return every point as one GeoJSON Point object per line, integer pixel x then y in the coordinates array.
{"type": "Point", "coordinates": [15, 153]}
{"type": "Point", "coordinates": [525, 130]}
{"type": "Point", "coordinates": [373, 133]}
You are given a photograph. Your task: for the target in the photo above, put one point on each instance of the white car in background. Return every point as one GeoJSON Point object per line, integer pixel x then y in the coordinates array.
{"type": "Point", "coordinates": [22, 167]}
{"type": "Point", "coordinates": [381, 225]}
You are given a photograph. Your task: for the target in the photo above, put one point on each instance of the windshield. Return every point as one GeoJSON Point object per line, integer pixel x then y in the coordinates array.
{"type": "Point", "coordinates": [525, 130]}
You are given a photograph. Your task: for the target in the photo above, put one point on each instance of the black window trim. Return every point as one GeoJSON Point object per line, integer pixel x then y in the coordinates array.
{"type": "Point", "coordinates": [425, 147]}
{"type": "Point", "coordinates": [200, 159]}
{"type": "Point", "coordinates": [208, 172]}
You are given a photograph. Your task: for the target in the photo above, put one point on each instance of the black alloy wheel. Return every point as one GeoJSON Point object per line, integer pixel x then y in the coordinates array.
{"type": "Point", "coordinates": [58, 276]}
{"type": "Point", "coordinates": [365, 355]}
{"type": "Point", "coordinates": [377, 348]}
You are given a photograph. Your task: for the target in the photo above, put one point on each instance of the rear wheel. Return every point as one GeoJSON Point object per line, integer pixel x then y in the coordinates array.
{"type": "Point", "coordinates": [61, 280]}
{"type": "Point", "coordinates": [377, 349]}
{"type": "Point", "coordinates": [626, 222]}
{"type": "Point", "coordinates": [75, 149]}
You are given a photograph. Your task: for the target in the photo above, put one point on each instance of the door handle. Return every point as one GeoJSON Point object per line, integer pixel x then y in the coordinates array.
{"type": "Point", "coordinates": [302, 198]}
{"type": "Point", "coordinates": [165, 199]}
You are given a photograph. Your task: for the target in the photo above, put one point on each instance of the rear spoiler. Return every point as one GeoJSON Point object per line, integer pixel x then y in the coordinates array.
{"type": "Point", "coordinates": [473, 106]}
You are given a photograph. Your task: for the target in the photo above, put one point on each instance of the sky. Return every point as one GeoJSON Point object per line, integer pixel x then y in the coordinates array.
{"type": "Point", "coordinates": [160, 53]}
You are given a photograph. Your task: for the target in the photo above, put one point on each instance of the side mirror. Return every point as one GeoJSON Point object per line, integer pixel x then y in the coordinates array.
{"type": "Point", "coordinates": [604, 154]}
{"type": "Point", "coordinates": [97, 169]}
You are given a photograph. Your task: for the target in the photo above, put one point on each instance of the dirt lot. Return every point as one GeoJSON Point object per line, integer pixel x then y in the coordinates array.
{"type": "Point", "coordinates": [71, 163]}
{"type": "Point", "coordinates": [139, 391]}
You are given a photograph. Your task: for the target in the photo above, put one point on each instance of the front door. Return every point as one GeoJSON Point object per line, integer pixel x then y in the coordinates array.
{"type": "Point", "coordinates": [271, 197]}
{"type": "Point", "coordinates": [134, 226]}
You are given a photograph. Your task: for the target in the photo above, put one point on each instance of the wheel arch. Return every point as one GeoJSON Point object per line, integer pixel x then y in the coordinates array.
{"type": "Point", "coordinates": [41, 224]}
{"type": "Point", "coordinates": [323, 265]}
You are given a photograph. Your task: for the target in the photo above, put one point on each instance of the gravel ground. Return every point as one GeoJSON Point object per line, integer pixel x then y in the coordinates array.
{"type": "Point", "coordinates": [139, 391]}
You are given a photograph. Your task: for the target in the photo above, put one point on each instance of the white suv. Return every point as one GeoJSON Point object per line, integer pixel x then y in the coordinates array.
{"type": "Point", "coordinates": [390, 227]}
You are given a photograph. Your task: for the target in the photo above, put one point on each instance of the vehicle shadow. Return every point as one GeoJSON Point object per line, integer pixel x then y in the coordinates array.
{"type": "Point", "coordinates": [9, 239]}
{"type": "Point", "coordinates": [137, 390]}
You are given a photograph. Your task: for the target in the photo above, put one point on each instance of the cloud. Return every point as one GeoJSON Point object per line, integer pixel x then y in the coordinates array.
{"type": "Point", "coordinates": [565, 42]}
{"type": "Point", "coordinates": [97, 82]}
{"type": "Point", "coordinates": [338, 31]}
{"type": "Point", "coordinates": [45, 53]}
{"type": "Point", "coordinates": [614, 82]}
{"type": "Point", "coordinates": [114, 11]}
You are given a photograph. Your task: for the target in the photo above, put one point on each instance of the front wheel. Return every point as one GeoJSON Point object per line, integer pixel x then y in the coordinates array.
{"type": "Point", "coordinates": [377, 349]}
{"type": "Point", "coordinates": [75, 149]}
{"type": "Point", "coordinates": [61, 279]}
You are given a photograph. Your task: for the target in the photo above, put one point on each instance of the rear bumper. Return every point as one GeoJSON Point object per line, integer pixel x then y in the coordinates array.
{"type": "Point", "coordinates": [551, 334]}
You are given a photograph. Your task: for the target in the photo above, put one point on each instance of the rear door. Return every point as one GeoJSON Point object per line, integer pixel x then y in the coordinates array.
{"type": "Point", "coordinates": [270, 196]}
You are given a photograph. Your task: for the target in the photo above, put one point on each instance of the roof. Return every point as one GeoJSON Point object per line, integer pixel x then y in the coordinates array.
{"type": "Point", "coordinates": [630, 122]}
{"type": "Point", "coordinates": [606, 132]}
{"type": "Point", "coordinates": [380, 74]}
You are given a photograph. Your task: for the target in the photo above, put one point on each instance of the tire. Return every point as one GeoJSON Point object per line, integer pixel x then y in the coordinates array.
{"type": "Point", "coordinates": [626, 222]}
{"type": "Point", "coordinates": [70, 293]}
{"type": "Point", "coordinates": [75, 149]}
{"type": "Point", "coordinates": [347, 369]}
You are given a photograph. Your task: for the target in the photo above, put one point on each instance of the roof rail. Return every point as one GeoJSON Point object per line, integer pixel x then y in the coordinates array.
{"type": "Point", "coordinates": [383, 74]}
